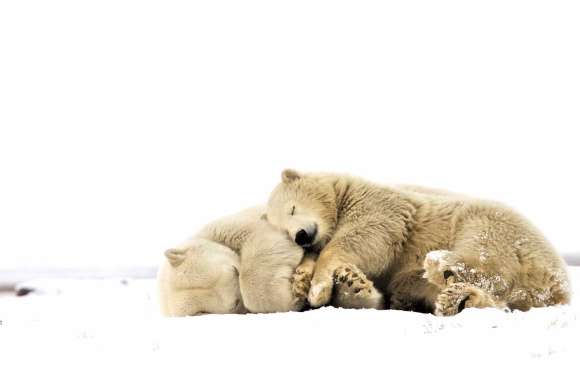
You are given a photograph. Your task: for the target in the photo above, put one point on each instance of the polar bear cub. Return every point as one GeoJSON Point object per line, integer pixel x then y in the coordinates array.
{"type": "Point", "coordinates": [234, 265]}
{"type": "Point", "coordinates": [426, 248]}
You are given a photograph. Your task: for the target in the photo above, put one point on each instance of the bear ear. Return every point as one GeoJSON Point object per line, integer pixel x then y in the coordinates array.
{"type": "Point", "coordinates": [175, 256]}
{"type": "Point", "coordinates": [289, 175]}
{"type": "Point", "coordinates": [264, 217]}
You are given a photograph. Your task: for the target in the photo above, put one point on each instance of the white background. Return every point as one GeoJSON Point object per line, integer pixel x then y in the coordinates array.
{"type": "Point", "coordinates": [127, 125]}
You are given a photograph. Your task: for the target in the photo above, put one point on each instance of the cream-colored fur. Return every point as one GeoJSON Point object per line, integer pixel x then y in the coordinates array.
{"type": "Point", "coordinates": [199, 277]}
{"type": "Point", "coordinates": [483, 253]}
{"type": "Point", "coordinates": [236, 264]}
{"type": "Point", "coordinates": [268, 263]}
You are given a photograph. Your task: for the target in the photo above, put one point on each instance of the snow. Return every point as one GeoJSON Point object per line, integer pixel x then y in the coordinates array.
{"type": "Point", "coordinates": [112, 328]}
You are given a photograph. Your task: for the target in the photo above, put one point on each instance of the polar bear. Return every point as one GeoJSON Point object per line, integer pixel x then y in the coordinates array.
{"type": "Point", "coordinates": [216, 271]}
{"type": "Point", "coordinates": [425, 249]}
{"type": "Point", "coordinates": [240, 264]}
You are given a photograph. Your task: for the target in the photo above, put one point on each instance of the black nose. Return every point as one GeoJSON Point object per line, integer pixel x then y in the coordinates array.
{"type": "Point", "coordinates": [303, 238]}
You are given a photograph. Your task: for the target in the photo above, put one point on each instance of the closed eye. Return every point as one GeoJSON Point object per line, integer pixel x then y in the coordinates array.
{"type": "Point", "coordinates": [293, 209]}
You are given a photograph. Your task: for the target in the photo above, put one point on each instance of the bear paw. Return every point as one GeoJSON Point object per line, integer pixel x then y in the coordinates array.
{"type": "Point", "coordinates": [301, 285]}
{"type": "Point", "coordinates": [459, 296]}
{"type": "Point", "coordinates": [438, 270]}
{"type": "Point", "coordinates": [354, 290]}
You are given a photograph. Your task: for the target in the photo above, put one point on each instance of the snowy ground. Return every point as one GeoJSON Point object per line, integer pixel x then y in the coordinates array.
{"type": "Point", "coordinates": [111, 329]}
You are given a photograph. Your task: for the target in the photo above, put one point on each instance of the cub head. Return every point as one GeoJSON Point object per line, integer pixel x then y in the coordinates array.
{"type": "Point", "coordinates": [200, 277]}
{"type": "Point", "coordinates": [305, 207]}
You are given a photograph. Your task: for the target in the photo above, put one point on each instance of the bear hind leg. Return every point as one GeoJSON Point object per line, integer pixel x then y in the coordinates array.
{"type": "Point", "coordinates": [410, 291]}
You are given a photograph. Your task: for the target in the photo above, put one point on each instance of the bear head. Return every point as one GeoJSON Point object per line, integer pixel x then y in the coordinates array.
{"type": "Point", "coordinates": [200, 277]}
{"type": "Point", "coordinates": [305, 207]}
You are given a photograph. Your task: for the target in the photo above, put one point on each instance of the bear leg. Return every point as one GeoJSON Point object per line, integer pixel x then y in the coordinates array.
{"type": "Point", "coordinates": [301, 280]}
{"type": "Point", "coordinates": [410, 291]}
{"type": "Point", "coordinates": [300, 287]}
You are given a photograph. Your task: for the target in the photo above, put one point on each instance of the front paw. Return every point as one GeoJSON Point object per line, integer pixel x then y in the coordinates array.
{"type": "Point", "coordinates": [301, 285]}
{"type": "Point", "coordinates": [354, 290]}
{"type": "Point", "coordinates": [320, 293]}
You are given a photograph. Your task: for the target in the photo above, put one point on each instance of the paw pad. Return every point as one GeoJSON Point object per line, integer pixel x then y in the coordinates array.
{"type": "Point", "coordinates": [350, 279]}
{"type": "Point", "coordinates": [460, 296]}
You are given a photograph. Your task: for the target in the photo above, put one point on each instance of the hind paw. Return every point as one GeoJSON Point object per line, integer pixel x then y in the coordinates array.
{"type": "Point", "coordinates": [456, 297]}
{"type": "Point", "coordinates": [439, 268]}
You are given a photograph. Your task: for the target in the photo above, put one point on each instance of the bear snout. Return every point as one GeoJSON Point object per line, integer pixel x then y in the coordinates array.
{"type": "Point", "coordinates": [305, 238]}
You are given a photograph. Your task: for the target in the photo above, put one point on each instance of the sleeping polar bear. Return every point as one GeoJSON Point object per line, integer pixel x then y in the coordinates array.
{"type": "Point", "coordinates": [214, 272]}
{"type": "Point", "coordinates": [240, 264]}
{"type": "Point", "coordinates": [426, 249]}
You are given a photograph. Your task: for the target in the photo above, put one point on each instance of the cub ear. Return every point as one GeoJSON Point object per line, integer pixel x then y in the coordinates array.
{"type": "Point", "coordinates": [289, 175]}
{"type": "Point", "coordinates": [175, 256]}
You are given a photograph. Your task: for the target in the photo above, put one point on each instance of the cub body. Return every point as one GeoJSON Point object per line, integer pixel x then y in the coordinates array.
{"type": "Point", "coordinates": [426, 249]}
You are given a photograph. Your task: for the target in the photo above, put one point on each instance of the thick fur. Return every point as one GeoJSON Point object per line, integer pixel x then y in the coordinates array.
{"type": "Point", "coordinates": [236, 264]}
{"type": "Point", "coordinates": [241, 263]}
{"type": "Point", "coordinates": [484, 253]}
{"type": "Point", "coordinates": [268, 263]}
{"type": "Point", "coordinates": [199, 277]}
